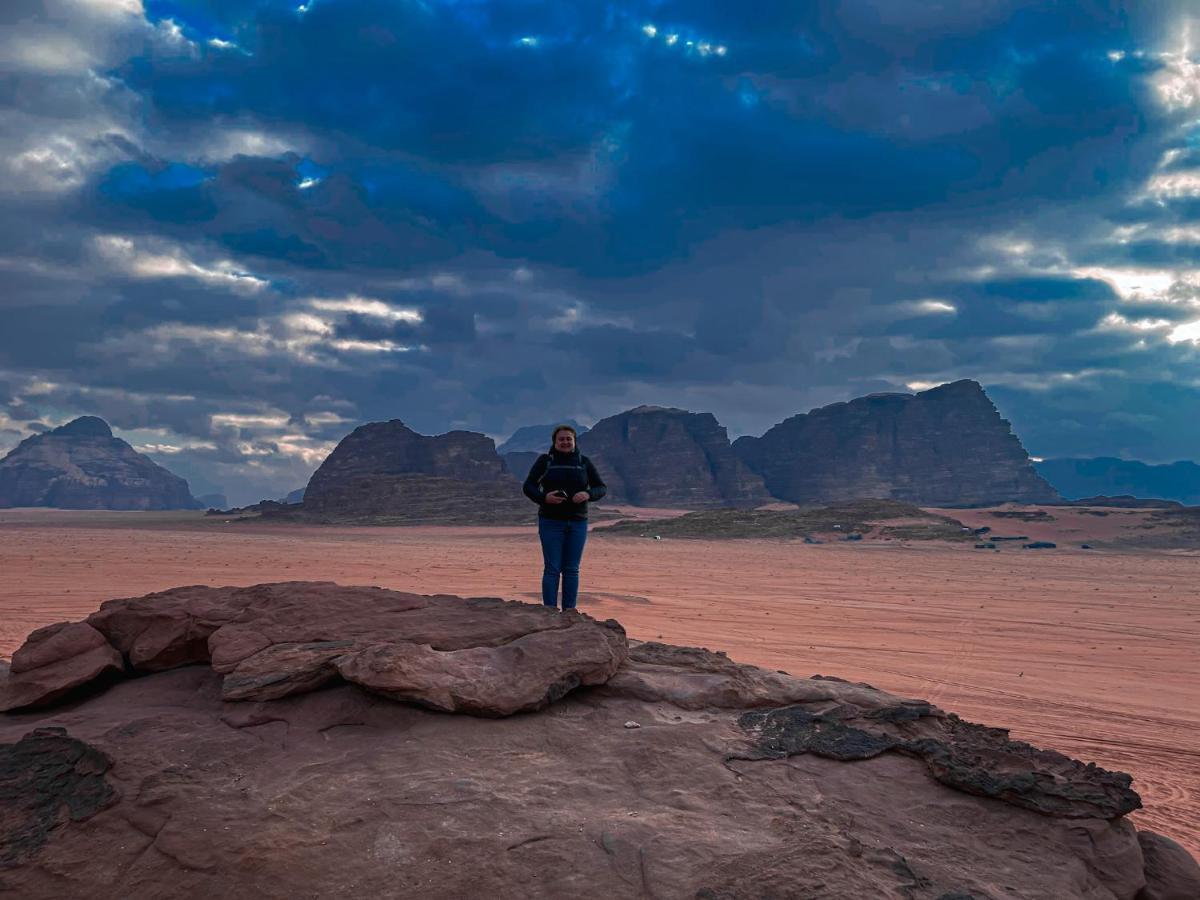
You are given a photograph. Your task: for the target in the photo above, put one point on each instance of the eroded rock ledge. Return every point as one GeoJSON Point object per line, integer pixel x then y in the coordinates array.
{"type": "Point", "coordinates": [263, 755]}
{"type": "Point", "coordinates": [480, 655]}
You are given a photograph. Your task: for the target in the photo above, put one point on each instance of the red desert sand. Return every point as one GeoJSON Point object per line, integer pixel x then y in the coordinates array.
{"type": "Point", "coordinates": [1092, 653]}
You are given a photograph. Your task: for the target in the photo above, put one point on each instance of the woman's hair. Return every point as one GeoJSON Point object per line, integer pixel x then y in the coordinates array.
{"type": "Point", "coordinates": [557, 429]}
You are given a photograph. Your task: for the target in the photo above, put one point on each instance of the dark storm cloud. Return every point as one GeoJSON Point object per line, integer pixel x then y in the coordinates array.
{"type": "Point", "coordinates": [415, 104]}
{"type": "Point", "coordinates": [239, 229]}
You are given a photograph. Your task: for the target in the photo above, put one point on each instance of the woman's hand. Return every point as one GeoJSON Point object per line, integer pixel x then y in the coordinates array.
{"type": "Point", "coordinates": [556, 497]}
{"type": "Point", "coordinates": [580, 497]}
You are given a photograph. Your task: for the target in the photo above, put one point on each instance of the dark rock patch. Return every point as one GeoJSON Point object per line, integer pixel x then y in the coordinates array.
{"type": "Point", "coordinates": [971, 758]}
{"type": "Point", "coordinates": [791, 730]}
{"type": "Point", "coordinates": [47, 779]}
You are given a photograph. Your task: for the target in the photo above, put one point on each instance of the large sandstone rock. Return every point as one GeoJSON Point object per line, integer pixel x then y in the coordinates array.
{"type": "Point", "coordinates": [684, 775]}
{"type": "Point", "coordinates": [82, 466]}
{"type": "Point", "coordinates": [490, 680]}
{"type": "Point", "coordinates": [53, 662]}
{"type": "Point", "coordinates": [480, 655]}
{"type": "Point", "coordinates": [946, 446]}
{"type": "Point", "coordinates": [652, 456]}
{"type": "Point", "coordinates": [840, 720]}
{"type": "Point", "coordinates": [386, 473]}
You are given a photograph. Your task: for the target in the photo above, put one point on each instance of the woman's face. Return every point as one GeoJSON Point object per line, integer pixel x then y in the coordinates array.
{"type": "Point", "coordinates": [564, 442]}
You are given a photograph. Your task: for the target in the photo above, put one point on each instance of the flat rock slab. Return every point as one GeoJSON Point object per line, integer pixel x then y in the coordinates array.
{"type": "Point", "coordinates": [478, 655]}
{"type": "Point", "coordinates": [340, 792]}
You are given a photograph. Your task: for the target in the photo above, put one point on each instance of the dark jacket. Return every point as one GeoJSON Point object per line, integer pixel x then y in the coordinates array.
{"type": "Point", "coordinates": [568, 472]}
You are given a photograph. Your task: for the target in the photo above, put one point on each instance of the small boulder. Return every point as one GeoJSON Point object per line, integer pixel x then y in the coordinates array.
{"type": "Point", "coordinates": [53, 662]}
{"type": "Point", "coordinates": [519, 676]}
{"type": "Point", "coordinates": [1171, 872]}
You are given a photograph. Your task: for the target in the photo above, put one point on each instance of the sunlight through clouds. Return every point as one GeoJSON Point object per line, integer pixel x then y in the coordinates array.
{"type": "Point", "coordinates": [367, 306]}
{"type": "Point", "coordinates": [1131, 284]}
{"type": "Point", "coordinates": [935, 306]}
{"type": "Point", "coordinates": [1178, 83]}
{"type": "Point", "coordinates": [163, 260]}
{"type": "Point", "coordinates": [1186, 332]}
{"type": "Point", "coordinates": [673, 38]}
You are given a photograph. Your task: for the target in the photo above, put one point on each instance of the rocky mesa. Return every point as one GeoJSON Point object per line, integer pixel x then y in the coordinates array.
{"type": "Point", "coordinates": [81, 465]}
{"type": "Point", "coordinates": [310, 739]}
{"type": "Point", "coordinates": [947, 446]}
{"type": "Point", "coordinates": [384, 472]}
{"type": "Point", "coordinates": [655, 456]}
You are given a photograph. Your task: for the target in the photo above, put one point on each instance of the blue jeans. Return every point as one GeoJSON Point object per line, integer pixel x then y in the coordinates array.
{"type": "Point", "coordinates": [562, 549]}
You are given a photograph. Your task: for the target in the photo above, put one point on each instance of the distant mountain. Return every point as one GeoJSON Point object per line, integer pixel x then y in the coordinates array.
{"type": "Point", "coordinates": [384, 472]}
{"type": "Point", "coordinates": [82, 466]}
{"type": "Point", "coordinates": [296, 496]}
{"type": "Point", "coordinates": [520, 462]}
{"type": "Point", "coordinates": [213, 501]}
{"type": "Point", "coordinates": [656, 456]}
{"type": "Point", "coordinates": [1109, 476]}
{"type": "Point", "coordinates": [947, 446]}
{"type": "Point", "coordinates": [535, 438]}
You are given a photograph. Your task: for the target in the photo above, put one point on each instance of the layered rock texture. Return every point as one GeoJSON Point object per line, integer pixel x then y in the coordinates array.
{"type": "Point", "coordinates": [82, 466]}
{"type": "Point", "coordinates": [947, 446]}
{"type": "Point", "coordinates": [481, 655]}
{"type": "Point", "coordinates": [264, 753]}
{"type": "Point", "coordinates": [1106, 476]}
{"type": "Point", "coordinates": [654, 456]}
{"type": "Point", "coordinates": [385, 472]}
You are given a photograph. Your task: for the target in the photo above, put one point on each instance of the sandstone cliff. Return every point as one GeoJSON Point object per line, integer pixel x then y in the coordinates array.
{"type": "Point", "coordinates": [386, 472]}
{"type": "Point", "coordinates": [947, 446]}
{"type": "Point", "coordinates": [308, 739]}
{"type": "Point", "coordinates": [82, 466]}
{"type": "Point", "coordinates": [653, 456]}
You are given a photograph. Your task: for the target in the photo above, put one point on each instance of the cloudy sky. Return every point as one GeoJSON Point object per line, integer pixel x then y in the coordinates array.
{"type": "Point", "coordinates": [237, 229]}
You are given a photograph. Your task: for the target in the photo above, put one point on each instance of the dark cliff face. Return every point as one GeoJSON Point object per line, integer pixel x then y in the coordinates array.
{"type": "Point", "coordinates": [82, 466]}
{"type": "Point", "coordinates": [651, 456]}
{"type": "Point", "coordinates": [387, 471]}
{"type": "Point", "coordinates": [945, 446]}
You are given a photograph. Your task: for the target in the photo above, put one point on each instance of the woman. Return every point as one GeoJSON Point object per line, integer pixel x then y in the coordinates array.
{"type": "Point", "coordinates": [562, 482]}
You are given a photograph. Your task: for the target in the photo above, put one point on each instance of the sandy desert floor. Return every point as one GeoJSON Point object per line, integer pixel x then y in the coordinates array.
{"type": "Point", "coordinates": [1093, 653]}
